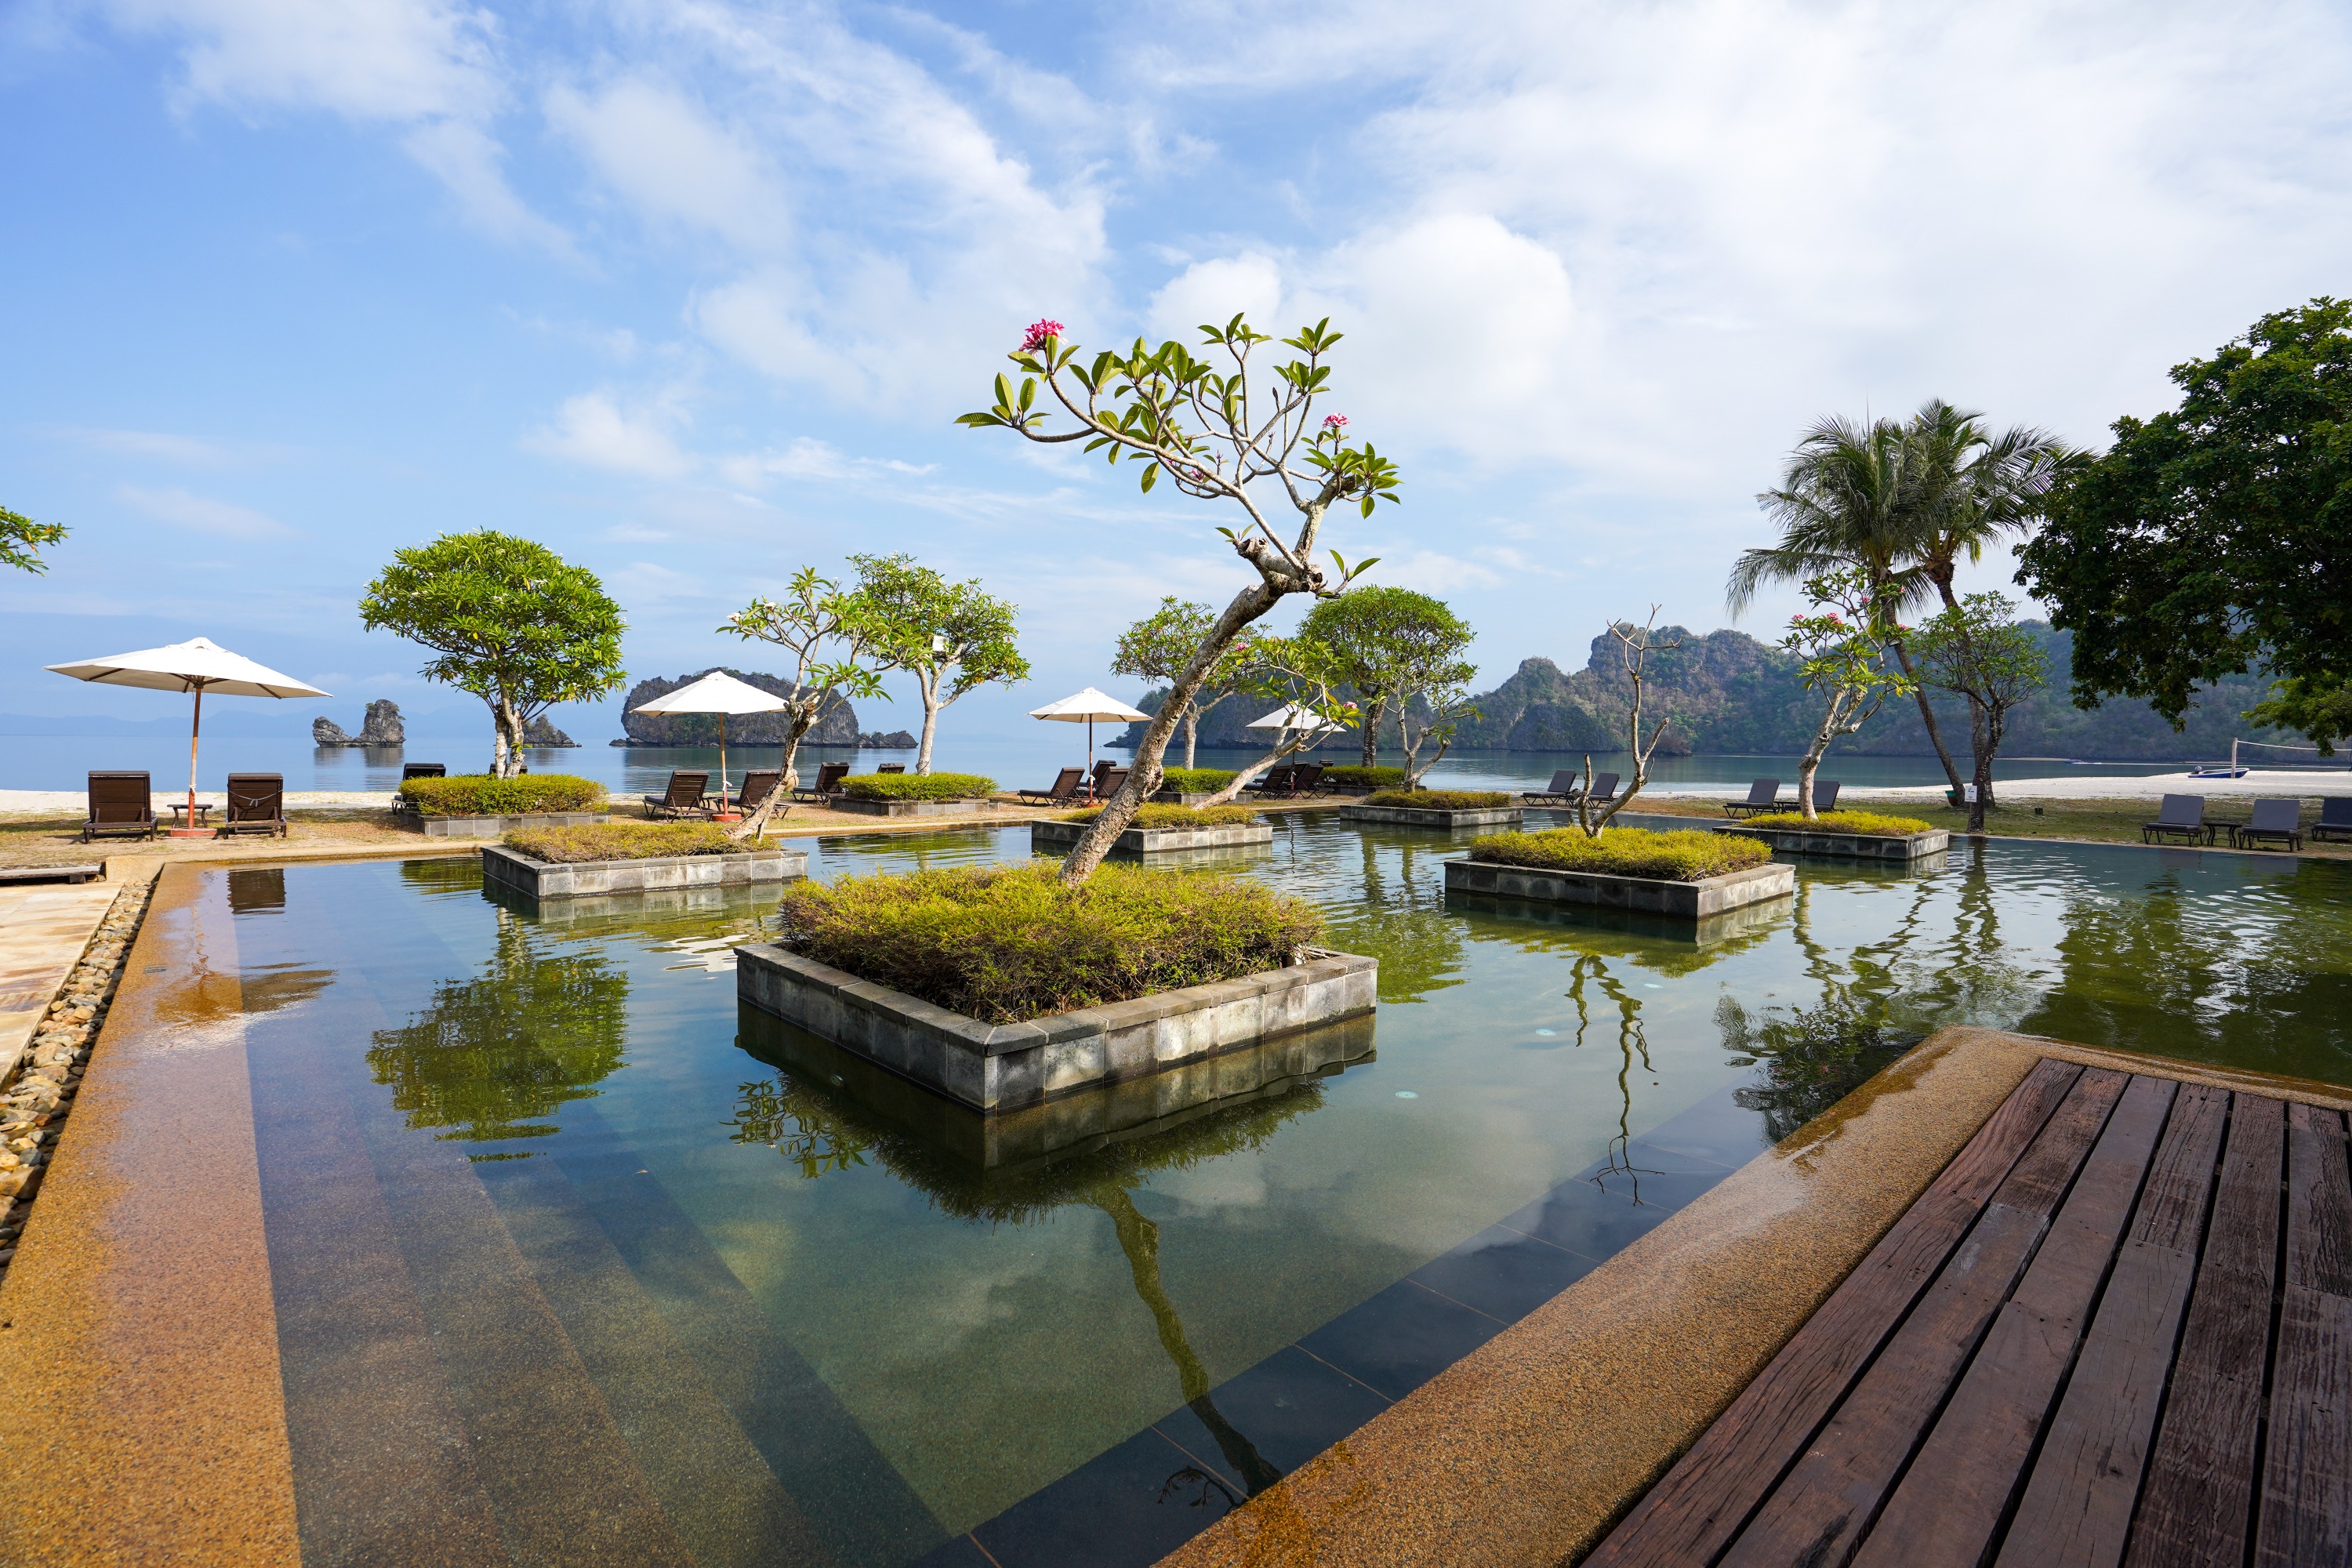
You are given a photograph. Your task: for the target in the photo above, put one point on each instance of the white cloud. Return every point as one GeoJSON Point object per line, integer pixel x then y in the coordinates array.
{"type": "Point", "coordinates": [1213, 291]}
{"type": "Point", "coordinates": [594, 430]}
{"type": "Point", "coordinates": [160, 445]}
{"type": "Point", "coordinates": [201, 513]}
{"type": "Point", "coordinates": [663, 153]}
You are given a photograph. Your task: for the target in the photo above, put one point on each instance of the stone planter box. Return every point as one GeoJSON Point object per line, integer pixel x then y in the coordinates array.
{"type": "Point", "coordinates": [1013, 1140]}
{"type": "Point", "coordinates": [1047, 836]}
{"type": "Point", "coordinates": [1182, 796]}
{"type": "Point", "coordinates": [906, 807]}
{"type": "Point", "coordinates": [1416, 817]}
{"type": "Point", "coordinates": [1845, 846]}
{"type": "Point", "coordinates": [1005, 1067]}
{"type": "Point", "coordinates": [545, 879]}
{"type": "Point", "coordinates": [495, 827]}
{"type": "Point", "coordinates": [1698, 901]}
{"type": "Point", "coordinates": [1708, 930]}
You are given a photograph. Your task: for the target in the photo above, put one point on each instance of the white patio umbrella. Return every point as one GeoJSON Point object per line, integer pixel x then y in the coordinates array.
{"type": "Point", "coordinates": [1291, 716]}
{"type": "Point", "coordinates": [197, 666]}
{"type": "Point", "coordinates": [1085, 708]}
{"type": "Point", "coordinates": [720, 693]}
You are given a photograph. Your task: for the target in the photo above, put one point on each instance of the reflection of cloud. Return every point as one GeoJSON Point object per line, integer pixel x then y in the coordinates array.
{"type": "Point", "coordinates": [201, 513]}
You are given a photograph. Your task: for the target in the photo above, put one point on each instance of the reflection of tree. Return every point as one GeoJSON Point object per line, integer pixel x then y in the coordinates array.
{"type": "Point", "coordinates": [1811, 1060]}
{"type": "Point", "coordinates": [1402, 921]}
{"type": "Point", "coordinates": [443, 873]}
{"type": "Point", "coordinates": [489, 1055]}
{"type": "Point", "coordinates": [1632, 1041]}
{"type": "Point", "coordinates": [822, 1129]}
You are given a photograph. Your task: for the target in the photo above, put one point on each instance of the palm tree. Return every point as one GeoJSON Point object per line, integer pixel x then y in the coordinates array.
{"type": "Point", "coordinates": [1852, 496]}
{"type": "Point", "coordinates": [1976, 487]}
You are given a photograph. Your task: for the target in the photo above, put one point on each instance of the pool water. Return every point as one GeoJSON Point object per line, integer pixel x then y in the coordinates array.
{"type": "Point", "coordinates": [555, 1218]}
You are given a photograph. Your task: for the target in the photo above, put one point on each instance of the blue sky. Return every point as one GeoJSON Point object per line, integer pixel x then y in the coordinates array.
{"type": "Point", "coordinates": [692, 291]}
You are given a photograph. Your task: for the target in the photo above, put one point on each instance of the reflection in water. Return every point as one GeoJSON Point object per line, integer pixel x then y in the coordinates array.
{"type": "Point", "coordinates": [490, 1056]}
{"type": "Point", "coordinates": [258, 891]}
{"type": "Point", "coordinates": [820, 1129]}
{"type": "Point", "coordinates": [1590, 969]}
{"type": "Point", "coordinates": [1402, 919]}
{"type": "Point", "coordinates": [1809, 1060]}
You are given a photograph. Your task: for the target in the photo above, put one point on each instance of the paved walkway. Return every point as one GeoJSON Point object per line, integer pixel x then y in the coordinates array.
{"type": "Point", "coordinates": [43, 929]}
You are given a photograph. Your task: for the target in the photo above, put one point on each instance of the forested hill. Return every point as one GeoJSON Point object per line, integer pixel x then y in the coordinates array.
{"type": "Point", "coordinates": [1725, 691]}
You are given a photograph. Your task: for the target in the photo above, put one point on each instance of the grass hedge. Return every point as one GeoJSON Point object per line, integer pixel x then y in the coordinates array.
{"type": "Point", "coordinates": [1197, 781]}
{"type": "Point", "coordinates": [480, 794]}
{"type": "Point", "coordinates": [1182, 816]}
{"type": "Point", "coordinates": [1353, 777]}
{"type": "Point", "coordinates": [919, 786]}
{"type": "Point", "coordinates": [621, 841]}
{"type": "Point", "coordinates": [1441, 799]}
{"type": "Point", "coordinates": [1006, 944]}
{"type": "Point", "coordinates": [1684, 855]}
{"type": "Point", "coordinates": [1868, 823]}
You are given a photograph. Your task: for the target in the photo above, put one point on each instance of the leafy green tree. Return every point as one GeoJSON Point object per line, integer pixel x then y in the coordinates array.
{"type": "Point", "coordinates": [1977, 649]}
{"type": "Point", "coordinates": [2318, 707]}
{"type": "Point", "coordinates": [1298, 673]}
{"type": "Point", "coordinates": [1161, 644]}
{"type": "Point", "coordinates": [950, 637]}
{"type": "Point", "coordinates": [2217, 536]}
{"type": "Point", "coordinates": [21, 539]}
{"type": "Point", "coordinates": [511, 621]}
{"type": "Point", "coordinates": [1214, 434]}
{"type": "Point", "coordinates": [1373, 635]}
{"type": "Point", "coordinates": [490, 1057]}
{"type": "Point", "coordinates": [839, 651]}
{"type": "Point", "coordinates": [1843, 650]}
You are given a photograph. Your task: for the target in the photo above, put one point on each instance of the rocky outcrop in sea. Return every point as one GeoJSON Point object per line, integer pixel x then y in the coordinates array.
{"type": "Point", "coordinates": [837, 727]}
{"type": "Point", "coordinates": [381, 728]}
{"type": "Point", "coordinates": [896, 740]}
{"type": "Point", "coordinates": [540, 733]}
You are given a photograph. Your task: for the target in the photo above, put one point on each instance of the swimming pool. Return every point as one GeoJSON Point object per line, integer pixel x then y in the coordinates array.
{"type": "Point", "coordinates": [567, 1247]}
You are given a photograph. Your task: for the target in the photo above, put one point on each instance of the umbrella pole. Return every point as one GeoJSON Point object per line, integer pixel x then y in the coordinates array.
{"type": "Point", "coordinates": [1090, 760]}
{"type": "Point", "coordinates": [196, 726]}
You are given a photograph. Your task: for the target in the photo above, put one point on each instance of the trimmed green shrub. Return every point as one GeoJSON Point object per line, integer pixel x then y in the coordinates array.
{"type": "Point", "coordinates": [1867, 824]}
{"type": "Point", "coordinates": [1684, 855]}
{"type": "Point", "coordinates": [1441, 799]}
{"type": "Point", "coordinates": [1182, 816]}
{"type": "Point", "coordinates": [1196, 781]}
{"type": "Point", "coordinates": [918, 786]}
{"type": "Point", "coordinates": [1009, 943]}
{"type": "Point", "coordinates": [480, 794]}
{"type": "Point", "coordinates": [1353, 777]}
{"type": "Point", "coordinates": [621, 841]}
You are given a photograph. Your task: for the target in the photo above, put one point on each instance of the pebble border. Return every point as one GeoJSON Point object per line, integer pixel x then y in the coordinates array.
{"type": "Point", "coordinates": [34, 1108]}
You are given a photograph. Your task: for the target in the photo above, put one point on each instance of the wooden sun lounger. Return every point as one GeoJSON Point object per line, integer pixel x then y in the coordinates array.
{"type": "Point", "coordinates": [256, 804]}
{"type": "Point", "coordinates": [684, 796]}
{"type": "Point", "coordinates": [1274, 783]}
{"type": "Point", "coordinates": [122, 805]}
{"type": "Point", "coordinates": [1065, 790]}
{"type": "Point", "coordinates": [1763, 796]}
{"type": "Point", "coordinates": [890, 768]}
{"type": "Point", "coordinates": [757, 787]}
{"type": "Point", "coordinates": [1108, 784]}
{"type": "Point", "coordinates": [423, 770]}
{"type": "Point", "coordinates": [2273, 822]}
{"type": "Point", "coordinates": [828, 782]}
{"type": "Point", "coordinates": [2181, 815]}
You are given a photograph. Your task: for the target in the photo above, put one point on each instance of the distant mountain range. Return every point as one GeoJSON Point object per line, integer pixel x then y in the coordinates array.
{"type": "Point", "coordinates": [1724, 692]}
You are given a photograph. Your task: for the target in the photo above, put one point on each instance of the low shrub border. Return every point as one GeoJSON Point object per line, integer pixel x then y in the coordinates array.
{"type": "Point", "coordinates": [1197, 781]}
{"type": "Point", "coordinates": [1004, 945]}
{"type": "Point", "coordinates": [1441, 799]}
{"type": "Point", "coordinates": [1351, 777]}
{"type": "Point", "coordinates": [623, 841]}
{"type": "Point", "coordinates": [1868, 823]}
{"type": "Point", "coordinates": [1675, 856]}
{"type": "Point", "coordinates": [480, 794]}
{"type": "Point", "coordinates": [918, 786]}
{"type": "Point", "coordinates": [1153, 818]}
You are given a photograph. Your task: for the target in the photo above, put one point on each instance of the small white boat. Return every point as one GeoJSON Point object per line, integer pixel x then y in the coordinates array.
{"type": "Point", "coordinates": [2219, 770]}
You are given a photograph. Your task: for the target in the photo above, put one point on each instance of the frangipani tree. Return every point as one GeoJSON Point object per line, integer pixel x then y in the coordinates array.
{"type": "Point", "coordinates": [21, 539]}
{"type": "Point", "coordinates": [1402, 650]}
{"type": "Point", "coordinates": [950, 637]}
{"type": "Point", "coordinates": [1161, 644]}
{"type": "Point", "coordinates": [1227, 431]}
{"type": "Point", "coordinates": [1844, 644]}
{"type": "Point", "coordinates": [1977, 649]}
{"type": "Point", "coordinates": [1295, 672]}
{"type": "Point", "coordinates": [837, 653]}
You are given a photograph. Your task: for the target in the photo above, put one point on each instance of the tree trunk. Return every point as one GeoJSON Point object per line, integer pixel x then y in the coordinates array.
{"type": "Point", "coordinates": [1374, 708]}
{"type": "Point", "coordinates": [1292, 744]}
{"type": "Point", "coordinates": [506, 756]}
{"type": "Point", "coordinates": [1144, 776]}
{"type": "Point", "coordinates": [1984, 734]}
{"type": "Point", "coordinates": [929, 682]}
{"type": "Point", "coordinates": [1191, 734]}
{"type": "Point", "coordinates": [1926, 714]}
{"type": "Point", "coordinates": [797, 723]}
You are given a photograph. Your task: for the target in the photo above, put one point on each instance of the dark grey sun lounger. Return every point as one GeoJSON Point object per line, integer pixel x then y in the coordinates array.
{"type": "Point", "coordinates": [2273, 822]}
{"type": "Point", "coordinates": [828, 782]}
{"type": "Point", "coordinates": [2183, 816]}
{"type": "Point", "coordinates": [1561, 790]}
{"type": "Point", "coordinates": [1762, 796]}
{"type": "Point", "coordinates": [1064, 792]}
{"type": "Point", "coordinates": [2335, 819]}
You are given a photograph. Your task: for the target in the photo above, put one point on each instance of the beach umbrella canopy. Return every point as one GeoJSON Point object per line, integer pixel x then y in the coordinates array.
{"type": "Point", "coordinates": [1291, 716]}
{"type": "Point", "coordinates": [720, 693]}
{"type": "Point", "coordinates": [1086, 707]}
{"type": "Point", "coordinates": [197, 666]}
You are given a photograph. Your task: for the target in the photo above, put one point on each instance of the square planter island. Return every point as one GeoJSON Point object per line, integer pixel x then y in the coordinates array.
{"type": "Point", "coordinates": [1898, 849]}
{"type": "Point", "coordinates": [1422, 816]}
{"type": "Point", "coordinates": [1703, 900]}
{"type": "Point", "coordinates": [507, 867]}
{"type": "Point", "coordinates": [1005, 1067]}
{"type": "Point", "coordinates": [494, 827]}
{"type": "Point", "coordinates": [1052, 837]}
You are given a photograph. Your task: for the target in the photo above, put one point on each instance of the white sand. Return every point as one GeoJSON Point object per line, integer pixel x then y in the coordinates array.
{"type": "Point", "coordinates": [50, 802]}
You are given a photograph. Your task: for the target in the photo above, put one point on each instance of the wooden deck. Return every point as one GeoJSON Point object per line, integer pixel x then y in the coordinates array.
{"type": "Point", "coordinates": [2117, 1329]}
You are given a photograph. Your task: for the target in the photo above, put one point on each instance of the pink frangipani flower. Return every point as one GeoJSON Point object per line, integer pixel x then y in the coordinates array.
{"type": "Point", "coordinates": [1039, 333]}
{"type": "Point", "coordinates": [1336, 423]}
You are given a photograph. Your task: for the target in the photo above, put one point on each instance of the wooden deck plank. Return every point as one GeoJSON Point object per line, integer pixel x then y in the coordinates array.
{"type": "Point", "coordinates": [2196, 1504]}
{"type": "Point", "coordinates": [2077, 1506]}
{"type": "Point", "coordinates": [2305, 1514]}
{"type": "Point", "coordinates": [1947, 1508]}
{"type": "Point", "coordinates": [1688, 1516]}
{"type": "Point", "coordinates": [1817, 1515]}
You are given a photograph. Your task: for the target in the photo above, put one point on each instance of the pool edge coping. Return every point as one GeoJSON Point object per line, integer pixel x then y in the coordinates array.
{"type": "Point", "coordinates": [1530, 1448]}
